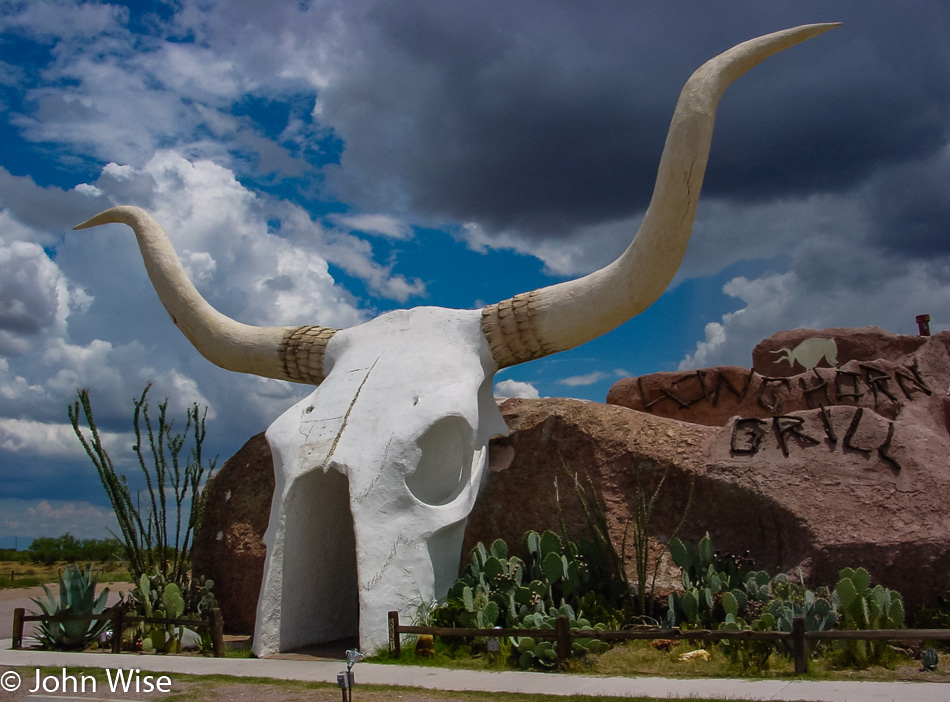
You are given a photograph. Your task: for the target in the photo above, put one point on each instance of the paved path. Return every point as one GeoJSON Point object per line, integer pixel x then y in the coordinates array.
{"type": "Point", "coordinates": [458, 680]}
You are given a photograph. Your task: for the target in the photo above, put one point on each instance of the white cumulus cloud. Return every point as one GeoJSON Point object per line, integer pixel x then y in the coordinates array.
{"type": "Point", "coordinates": [50, 440]}
{"type": "Point", "coordinates": [383, 225]}
{"type": "Point", "coordinates": [36, 518]}
{"type": "Point", "coordinates": [515, 388]}
{"type": "Point", "coordinates": [587, 379]}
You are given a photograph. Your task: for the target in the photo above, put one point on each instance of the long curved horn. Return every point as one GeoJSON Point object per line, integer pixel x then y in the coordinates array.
{"type": "Point", "coordinates": [559, 317]}
{"type": "Point", "coordinates": [286, 353]}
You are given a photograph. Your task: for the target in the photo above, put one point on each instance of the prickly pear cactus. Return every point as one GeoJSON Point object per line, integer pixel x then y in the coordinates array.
{"type": "Point", "coordinates": [707, 576]}
{"type": "Point", "coordinates": [480, 612]}
{"type": "Point", "coordinates": [530, 653]}
{"type": "Point", "coordinates": [497, 588]}
{"type": "Point", "coordinates": [144, 596]}
{"type": "Point", "coordinates": [173, 601]}
{"type": "Point", "coordinates": [554, 572]}
{"type": "Point", "coordinates": [864, 607]}
{"type": "Point", "coordinates": [747, 652]}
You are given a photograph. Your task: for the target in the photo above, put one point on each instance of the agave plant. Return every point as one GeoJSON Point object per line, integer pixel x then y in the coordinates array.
{"type": "Point", "coordinates": [77, 595]}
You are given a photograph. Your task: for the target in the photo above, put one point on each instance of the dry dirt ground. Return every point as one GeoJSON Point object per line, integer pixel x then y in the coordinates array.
{"type": "Point", "coordinates": [184, 688]}
{"type": "Point", "coordinates": [233, 690]}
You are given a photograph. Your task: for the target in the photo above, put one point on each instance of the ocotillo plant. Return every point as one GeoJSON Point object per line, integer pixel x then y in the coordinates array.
{"type": "Point", "coordinates": [155, 541]}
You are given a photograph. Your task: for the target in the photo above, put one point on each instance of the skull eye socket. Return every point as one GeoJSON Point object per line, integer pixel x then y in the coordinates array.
{"type": "Point", "coordinates": [445, 462]}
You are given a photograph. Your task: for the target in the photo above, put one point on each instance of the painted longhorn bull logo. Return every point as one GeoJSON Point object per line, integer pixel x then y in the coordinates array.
{"type": "Point", "coordinates": [809, 353]}
{"type": "Point", "coordinates": [378, 468]}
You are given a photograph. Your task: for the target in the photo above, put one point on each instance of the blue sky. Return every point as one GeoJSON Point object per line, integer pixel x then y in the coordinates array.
{"type": "Point", "coordinates": [323, 162]}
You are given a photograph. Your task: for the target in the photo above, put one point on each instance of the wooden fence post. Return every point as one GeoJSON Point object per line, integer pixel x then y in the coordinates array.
{"type": "Point", "coordinates": [217, 633]}
{"type": "Point", "coordinates": [395, 647]}
{"type": "Point", "coordinates": [798, 638]}
{"type": "Point", "coordinates": [118, 614]}
{"type": "Point", "coordinates": [563, 627]}
{"type": "Point", "coordinates": [18, 627]}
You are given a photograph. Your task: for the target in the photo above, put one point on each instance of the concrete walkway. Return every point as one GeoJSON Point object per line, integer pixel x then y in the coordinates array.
{"type": "Point", "coordinates": [459, 680]}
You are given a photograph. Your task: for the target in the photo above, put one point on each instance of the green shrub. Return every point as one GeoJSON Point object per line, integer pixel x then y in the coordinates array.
{"type": "Point", "coordinates": [49, 550]}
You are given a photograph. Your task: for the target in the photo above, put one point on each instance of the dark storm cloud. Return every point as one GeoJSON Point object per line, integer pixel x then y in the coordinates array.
{"type": "Point", "coordinates": [910, 207]}
{"type": "Point", "coordinates": [539, 118]}
{"type": "Point", "coordinates": [28, 203]}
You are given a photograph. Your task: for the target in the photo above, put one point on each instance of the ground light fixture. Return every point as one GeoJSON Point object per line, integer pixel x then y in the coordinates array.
{"type": "Point", "coordinates": [346, 679]}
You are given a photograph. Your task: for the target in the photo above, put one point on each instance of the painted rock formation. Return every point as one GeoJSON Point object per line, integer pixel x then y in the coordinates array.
{"type": "Point", "coordinates": [825, 468]}
{"type": "Point", "coordinates": [856, 454]}
{"type": "Point", "coordinates": [824, 505]}
{"type": "Point", "coordinates": [881, 372]}
{"type": "Point", "coordinates": [790, 352]}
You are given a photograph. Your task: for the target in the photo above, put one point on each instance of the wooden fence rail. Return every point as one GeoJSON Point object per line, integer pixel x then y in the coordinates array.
{"type": "Point", "coordinates": [120, 619]}
{"type": "Point", "coordinates": [563, 634]}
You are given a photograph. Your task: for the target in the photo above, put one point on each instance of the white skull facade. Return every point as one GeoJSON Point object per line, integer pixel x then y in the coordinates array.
{"type": "Point", "coordinates": [378, 468]}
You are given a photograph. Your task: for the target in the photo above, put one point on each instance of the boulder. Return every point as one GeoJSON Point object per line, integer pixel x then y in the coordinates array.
{"type": "Point", "coordinates": [811, 472]}
{"type": "Point", "coordinates": [856, 452]}
{"type": "Point", "coordinates": [558, 447]}
{"type": "Point", "coordinates": [228, 546]}
{"type": "Point", "coordinates": [793, 351]}
{"type": "Point", "coordinates": [903, 370]}
{"type": "Point", "coordinates": [798, 501]}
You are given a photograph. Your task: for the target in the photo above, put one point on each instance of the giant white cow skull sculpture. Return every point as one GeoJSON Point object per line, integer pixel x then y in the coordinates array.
{"type": "Point", "coordinates": [378, 468]}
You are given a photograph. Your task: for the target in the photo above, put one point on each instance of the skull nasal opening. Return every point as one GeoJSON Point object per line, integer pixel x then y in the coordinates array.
{"type": "Point", "coordinates": [445, 461]}
{"type": "Point", "coordinates": [319, 592]}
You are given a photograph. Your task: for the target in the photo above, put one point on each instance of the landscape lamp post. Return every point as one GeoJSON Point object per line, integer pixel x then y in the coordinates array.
{"type": "Point", "coordinates": [346, 680]}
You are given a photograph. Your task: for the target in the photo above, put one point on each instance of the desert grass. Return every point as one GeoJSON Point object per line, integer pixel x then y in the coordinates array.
{"type": "Point", "coordinates": [14, 574]}
{"type": "Point", "coordinates": [639, 658]}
